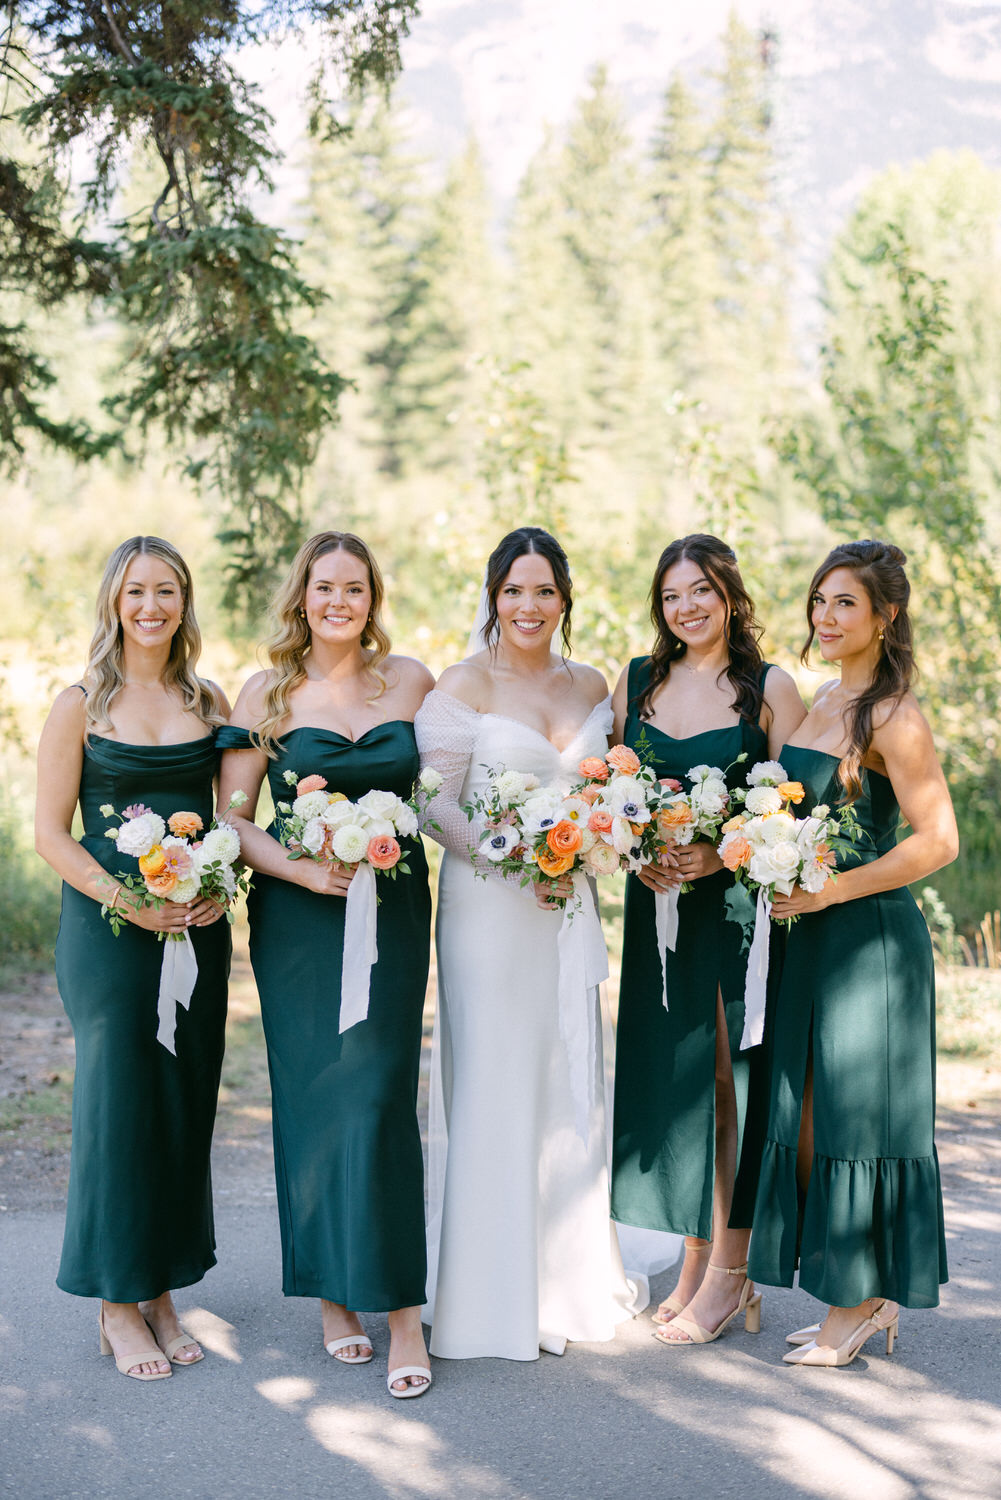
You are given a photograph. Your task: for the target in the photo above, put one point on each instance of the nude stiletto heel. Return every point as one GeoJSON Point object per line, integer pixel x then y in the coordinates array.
{"type": "Point", "coordinates": [828, 1358]}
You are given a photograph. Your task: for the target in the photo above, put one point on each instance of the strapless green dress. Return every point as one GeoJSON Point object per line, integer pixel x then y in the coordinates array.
{"type": "Point", "coordinates": [139, 1216]}
{"type": "Point", "coordinates": [664, 1132]}
{"type": "Point", "coordinates": [858, 988]}
{"type": "Point", "coordinates": [348, 1158]}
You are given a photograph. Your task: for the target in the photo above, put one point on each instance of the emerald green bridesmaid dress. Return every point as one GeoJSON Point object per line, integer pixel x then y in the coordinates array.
{"type": "Point", "coordinates": [348, 1159]}
{"type": "Point", "coordinates": [858, 991]}
{"type": "Point", "coordinates": [139, 1217]}
{"type": "Point", "coordinates": [664, 1131]}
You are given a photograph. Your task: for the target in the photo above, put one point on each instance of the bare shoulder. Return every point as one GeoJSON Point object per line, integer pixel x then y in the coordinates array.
{"type": "Point", "coordinates": [469, 681]}
{"type": "Point", "coordinates": [411, 674]}
{"type": "Point", "coordinates": [249, 708]}
{"type": "Point", "coordinates": [780, 686]}
{"type": "Point", "coordinates": [591, 683]}
{"type": "Point", "coordinates": [824, 689]}
{"type": "Point", "coordinates": [219, 699]}
{"type": "Point", "coordinates": [69, 711]}
{"type": "Point", "coordinates": [899, 721]}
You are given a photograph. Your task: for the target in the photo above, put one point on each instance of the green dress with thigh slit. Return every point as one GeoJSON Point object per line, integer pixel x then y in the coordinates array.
{"type": "Point", "coordinates": [664, 1133]}
{"type": "Point", "coordinates": [348, 1159]}
{"type": "Point", "coordinates": [858, 991]}
{"type": "Point", "coordinates": [139, 1215]}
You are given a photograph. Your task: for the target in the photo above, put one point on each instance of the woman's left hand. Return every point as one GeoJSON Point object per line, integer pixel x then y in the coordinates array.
{"type": "Point", "coordinates": [693, 861]}
{"type": "Point", "coordinates": [204, 912]}
{"type": "Point", "coordinates": [799, 902]}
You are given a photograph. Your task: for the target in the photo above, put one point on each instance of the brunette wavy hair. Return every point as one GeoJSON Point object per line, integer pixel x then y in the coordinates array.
{"type": "Point", "coordinates": [520, 543]}
{"type": "Point", "coordinates": [289, 642]}
{"type": "Point", "coordinates": [718, 562]}
{"type": "Point", "coordinates": [104, 674]}
{"type": "Point", "coordinates": [879, 568]}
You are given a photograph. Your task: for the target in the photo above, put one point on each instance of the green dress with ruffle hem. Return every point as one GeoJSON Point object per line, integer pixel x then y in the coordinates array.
{"type": "Point", "coordinates": [858, 990]}
{"type": "Point", "coordinates": [349, 1166]}
{"type": "Point", "coordinates": [664, 1131]}
{"type": "Point", "coordinates": [139, 1215]}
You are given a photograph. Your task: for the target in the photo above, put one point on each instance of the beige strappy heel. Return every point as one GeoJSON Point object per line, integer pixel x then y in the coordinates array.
{"type": "Point", "coordinates": [749, 1305]}
{"type": "Point", "coordinates": [125, 1363]}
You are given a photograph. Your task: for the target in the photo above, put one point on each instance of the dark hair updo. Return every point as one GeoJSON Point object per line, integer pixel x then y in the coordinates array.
{"type": "Point", "coordinates": [879, 568]}
{"type": "Point", "coordinates": [520, 543]}
{"type": "Point", "coordinates": [719, 564]}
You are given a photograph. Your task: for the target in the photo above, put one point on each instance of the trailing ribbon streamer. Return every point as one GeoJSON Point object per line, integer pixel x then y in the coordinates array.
{"type": "Point", "coordinates": [665, 905]}
{"type": "Point", "coordinates": [178, 976]}
{"type": "Point", "coordinates": [756, 985]}
{"type": "Point", "coordinates": [360, 950]}
{"type": "Point", "coordinates": [583, 963]}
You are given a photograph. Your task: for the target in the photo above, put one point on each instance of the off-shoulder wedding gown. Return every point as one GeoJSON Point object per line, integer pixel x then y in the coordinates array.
{"type": "Point", "coordinates": [522, 1254]}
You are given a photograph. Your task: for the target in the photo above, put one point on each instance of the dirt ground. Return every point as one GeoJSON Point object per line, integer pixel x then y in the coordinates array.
{"type": "Point", "coordinates": [36, 1078]}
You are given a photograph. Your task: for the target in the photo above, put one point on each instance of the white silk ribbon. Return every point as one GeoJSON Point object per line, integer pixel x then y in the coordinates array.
{"type": "Point", "coordinates": [665, 905]}
{"type": "Point", "coordinates": [583, 965]}
{"type": "Point", "coordinates": [756, 984]}
{"type": "Point", "coordinates": [360, 949]}
{"type": "Point", "coordinates": [178, 977]}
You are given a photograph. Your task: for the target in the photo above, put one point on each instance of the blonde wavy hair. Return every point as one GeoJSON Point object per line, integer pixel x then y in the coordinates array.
{"type": "Point", "coordinates": [289, 642]}
{"type": "Point", "coordinates": [104, 675]}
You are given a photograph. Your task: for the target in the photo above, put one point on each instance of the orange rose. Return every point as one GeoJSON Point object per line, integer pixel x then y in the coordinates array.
{"type": "Point", "coordinates": [674, 820]}
{"type": "Point", "coordinates": [153, 862]}
{"type": "Point", "coordinates": [310, 784]}
{"type": "Point", "coordinates": [600, 820]}
{"type": "Point", "coordinates": [184, 825]}
{"type": "Point", "coordinates": [161, 885]}
{"type": "Point", "coordinates": [383, 852]}
{"type": "Point", "coordinates": [736, 854]}
{"type": "Point", "coordinates": [589, 794]}
{"type": "Point", "coordinates": [791, 791]}
{"type": "Point", "coordinates": [565, 838]}
{"type": "Point", "coordinates": [621, 758]}
{"type": "Point", "coordinates": [594, 768]}
{"type": "Point", "coordinates": [553, 864]}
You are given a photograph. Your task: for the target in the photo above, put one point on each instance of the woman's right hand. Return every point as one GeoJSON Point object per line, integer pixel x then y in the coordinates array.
{"type": "Point", "coordinates": [665, 876]}
{"type": "Point", "coordinates": [172, 916]}
{"type": "Point", "coordinates": [329, 878]}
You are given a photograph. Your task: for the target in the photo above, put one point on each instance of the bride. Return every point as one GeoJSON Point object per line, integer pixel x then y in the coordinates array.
{"type": "Point", "coordinates": [522, 1254]}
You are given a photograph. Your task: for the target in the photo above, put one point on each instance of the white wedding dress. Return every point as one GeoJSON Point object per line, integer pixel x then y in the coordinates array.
{"type": "Point", "coordinates": [522, 1255]}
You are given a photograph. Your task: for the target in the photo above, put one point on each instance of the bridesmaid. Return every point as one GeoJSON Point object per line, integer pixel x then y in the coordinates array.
{"type": "Point", "coordinates": [853, 1087]}
{"type": "Point", "coordinates": [685, 1127]}
{"type": "Point", "coordinates": [139, 728]}
{"type": "Point", "coordinates": [348, 1154]}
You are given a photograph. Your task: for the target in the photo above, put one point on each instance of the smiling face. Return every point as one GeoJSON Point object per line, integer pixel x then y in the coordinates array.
{"type": "Point", "coordinates": [529, 604]}
{"type": "Point", "coordinates": [693, 610]}
{"type": "Point", "coordinates": [150, 602]}
{"type": "Point", "coordinates": [841, 612]}
{"type": "Point", "coordinates": [338, 598]}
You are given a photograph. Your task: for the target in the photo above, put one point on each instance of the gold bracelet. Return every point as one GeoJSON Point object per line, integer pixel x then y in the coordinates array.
{"type": "Point", "coordinates": [114, 900]}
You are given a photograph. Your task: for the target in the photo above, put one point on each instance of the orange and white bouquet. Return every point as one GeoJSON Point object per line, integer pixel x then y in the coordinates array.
{"type": "Point", "coordinates": [770, 850]}
{"type": "Point", "coordinates": [326, 826]}
{"type": "Point", "coordinates": [528, 831]}
{"type": "Point", "coordinates": [364, 835]}
{"type": "Point", "coordinates": [178, 861]}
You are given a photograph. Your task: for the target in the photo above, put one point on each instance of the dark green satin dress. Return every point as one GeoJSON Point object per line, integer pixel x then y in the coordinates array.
{"type": "Point", "coordinates": [858, 988]}
{"type": "Point", "coordinates": [139, 1217]}
{"type": "Point", "coordinates": [664, 1131]}
{"type": "Point", "coordinates": [348, 1158]}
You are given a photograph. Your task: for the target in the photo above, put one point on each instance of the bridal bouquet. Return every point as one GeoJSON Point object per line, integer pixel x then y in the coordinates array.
{"type": "Point", "coordinates": [533, 832]}
{"type": "Point", "coordinates": [175, 866]}
{"type": "Point", "coordinates": [769, 850]}
{"type": "Point", "coordinates": [327, 827]}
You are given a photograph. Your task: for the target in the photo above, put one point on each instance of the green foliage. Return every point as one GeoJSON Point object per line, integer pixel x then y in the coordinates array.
{"type": "Point", "coordinates": [29, 891]}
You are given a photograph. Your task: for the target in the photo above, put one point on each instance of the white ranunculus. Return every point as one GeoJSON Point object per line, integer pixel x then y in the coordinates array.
{"type": "Point", "coordinates": [711, 796]}
{"type": "Point", "coordinates": [623, 837]}
{"type": "Point", "coordinates": [405, 819]}
{"type": "Point", "coordinates": [511, 787]}
{"type": "Point", "coordinates": [430, 779]}
{"type": "Point", "coordinates": [498, 843]}
{"type": "Point", "coordinates": [762, 799]}
{"type": "Point", "coordinates": [313, 834]}
{"type": "Point", "coordinates": [378, 804]}
{"type": "Point", "coordinates": [780, 828]}
{"type": "Point", "coordinates": [696, 773]}
{"type": "Point", "coordinates": [809, 833]}
{"type": "Point", "coordinates": [186, 889]}
{"type": "Point", "coordinates": [222, 843]}
{"type": "Point", "coordinates": [602, 859]}
{"type": "Point", "coordinates": [138, 835]}
{"type": "Point", "coordinates": [766, 771]}
{"type": "Point", "coordinates": [814, 877]}
{"type": "Point", "coordinates": [310, 804]}
{"type": "Point", "coordinates": [380, 828]}
{"type": "Point", "coordinates": [337, 814]}
{"type": "Point", "coordinates": [350, 843]}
